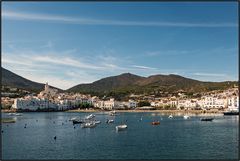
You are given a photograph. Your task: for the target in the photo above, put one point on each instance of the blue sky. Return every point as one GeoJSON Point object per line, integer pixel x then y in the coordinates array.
{"type": "Point", "coordinates": [67, 43]}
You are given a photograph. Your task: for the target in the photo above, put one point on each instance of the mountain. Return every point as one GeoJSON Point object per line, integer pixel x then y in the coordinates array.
{"type": "Point", "coordinates": [129, 83]}
{"type": "Point", "coordinates": [109, 83]}
{"type": "Point", "coordinates": [13, 80]}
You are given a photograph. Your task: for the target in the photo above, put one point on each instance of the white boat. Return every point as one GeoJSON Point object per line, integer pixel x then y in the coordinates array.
{"type": "Point", "coordinates": [186, 117]}
{"type": "Point", "coordinates": [73, 118]}
{"type": "Point", "coordinates": [121, 127]}
{"type": "Point", "coordinates": [18, 114]}
{"type": "Point", "coordinates": [109, 121]}
{"type": "Point", "coordinates": [90, 116]}
{"type": "Point", "coordinates": [88, 125]}
{"type": "Point", "coordinates": [97, 122]}
{"type": "Point", "coordinates": [170, 116]}
{"type": "Point", "coordinates": [15, 114]}
{"type": "Point", "coordinates": [113, 112]}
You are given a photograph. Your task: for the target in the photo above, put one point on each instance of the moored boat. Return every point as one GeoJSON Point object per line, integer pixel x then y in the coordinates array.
{"type": "Point", "coordinates": [97, 122]}
{"type": "Point", "coordinates": [88, 125]}
{"type": "Point", "coordinates": [109, 121]}
{"type": "Point", "coordinates": [231, 113]}
{"type": "Point", "coordinates": [18, 114]}
{"type": "Point", "coordinates": [121, 127]}
{"type": "Point", "coordinates": [90, 116]}
{"type": "Point", "coordinates": [73, 118]}
{"type": "Point", "coordinates": [156, 123]}
{"type": "Point", "coordinates": [170, 116]}
{"type": "Point", "coordinates": [8, 120]}
{"type": "Point", "coordinates": [78, 121]}
{"type": "Point", "coordinates": [186, 117]}
{"type": "Point", "coordinates": [15, 114]}
{"type": "Point", "coordinates": [206, 119]}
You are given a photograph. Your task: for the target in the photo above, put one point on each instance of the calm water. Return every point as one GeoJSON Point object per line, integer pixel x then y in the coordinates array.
{"type": "Point", "coordinates": [172, 139]}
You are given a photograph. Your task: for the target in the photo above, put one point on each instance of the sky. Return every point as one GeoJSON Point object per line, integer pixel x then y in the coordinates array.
{"type": "Point", "coordinates": [68, 43]}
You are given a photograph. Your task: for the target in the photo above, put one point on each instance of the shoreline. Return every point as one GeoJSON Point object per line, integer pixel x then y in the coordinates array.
{"type": "Point", "coordinates": [136, 111]}
{"type": "Point", "coordinates": [155, 111]}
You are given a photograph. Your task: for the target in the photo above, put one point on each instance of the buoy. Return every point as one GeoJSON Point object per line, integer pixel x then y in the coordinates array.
{"type": "Point", "coordinates": [74, 127]}
{"type": "Point", "coordinates": [55, 137]}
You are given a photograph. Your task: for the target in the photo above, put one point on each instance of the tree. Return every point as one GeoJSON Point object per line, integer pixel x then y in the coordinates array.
{"type": "Point", "coordinates": [143, 103]}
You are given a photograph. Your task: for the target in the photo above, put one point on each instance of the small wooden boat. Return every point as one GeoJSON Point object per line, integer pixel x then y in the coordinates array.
{"type": "Point", "coordinates": [156, 123]}
{"type": "Point", "coordinates": [206, 119]}
{"type": "Point", "coordinates": [73, 118]}
{"type": "Point", "coordinates": [121, 127]}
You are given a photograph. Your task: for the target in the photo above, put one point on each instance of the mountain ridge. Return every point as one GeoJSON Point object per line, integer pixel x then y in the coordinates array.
{"type": "Point", "coordinates": [16, 81]}
{"type": "Point", "coordinates": [123, 84]}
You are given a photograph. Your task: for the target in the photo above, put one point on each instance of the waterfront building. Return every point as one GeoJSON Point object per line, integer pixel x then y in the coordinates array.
{"type": "Point", "coordinates": [109, 105]}
{"type": "Point", "coordinates": [233, 103]}
{"type": "Point", "coordinates": [211, 102]}
{"type": "Point", "coordinates": [33, 104]}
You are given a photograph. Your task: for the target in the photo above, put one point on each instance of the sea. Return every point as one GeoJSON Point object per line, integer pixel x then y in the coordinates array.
{"type": "Point", "coordinates": [175, 138]}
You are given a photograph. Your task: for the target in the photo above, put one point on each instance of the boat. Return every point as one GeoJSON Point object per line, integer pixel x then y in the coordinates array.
{"type": "Point", "coordinates": [97, 122]}
{"type": "Point", "coordinates": [206, 119]}
{"type": "Point", "coordinates": [156, 123]}
{"type": "Point", "coordinates": [8, 120]}
{"type": "Point", "coordinates": [170, 116]}
{"type": "Point", "coordinates": [73, 118]}
{"type": "Point", "coordinates": [231, 113]}
{"type": "Point", "coordinates": [114, 112]}
{"type": "Point", "coordinates": [88, 125]}
{"type": "Point", "coordinates": [78, 121]}
{"type": "Point", "coordinates": [15, 114]}
{"type": "Point", "coordinates": [90, 116]}
{"type": "Point", "coordinates": [109, 121]}
{"type": "Point", "coordinates": [186, 117]}
{"type": "Point", "coordinates": [121, 127]}
{"type": "Point", "coordinates": [18, 114]}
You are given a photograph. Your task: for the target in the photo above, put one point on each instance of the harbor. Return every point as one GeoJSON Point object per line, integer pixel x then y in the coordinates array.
{"type": "Point", "coordinates": [130, 135]}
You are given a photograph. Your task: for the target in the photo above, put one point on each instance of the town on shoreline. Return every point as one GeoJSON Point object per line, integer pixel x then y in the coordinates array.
{"type": "Point", "coordinates": [50, 100]}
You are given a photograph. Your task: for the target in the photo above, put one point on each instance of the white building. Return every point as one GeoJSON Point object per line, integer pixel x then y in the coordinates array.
{"type": "Point", "coordinates": [109, 105]}
{"type": "Point", "coordinates": [233, 103]}
{"type": "Point", "coordinates": [211, 102]}
{"type": "Point", "coordinates": [33, 104]}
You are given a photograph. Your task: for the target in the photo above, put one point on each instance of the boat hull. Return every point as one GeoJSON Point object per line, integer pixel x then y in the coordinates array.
{"type": "Point", "coordinates": [231, 113]}
{"type": "Point", "coordinates": [206, 119]}
{"type": "Point", "coordinates": [156, 123]}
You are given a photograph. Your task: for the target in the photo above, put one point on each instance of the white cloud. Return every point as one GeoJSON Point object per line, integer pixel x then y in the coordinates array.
{"type": "Point", "coordinates": [143, 67]}
{"type": "Point", "coordinates": [90, 21]}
